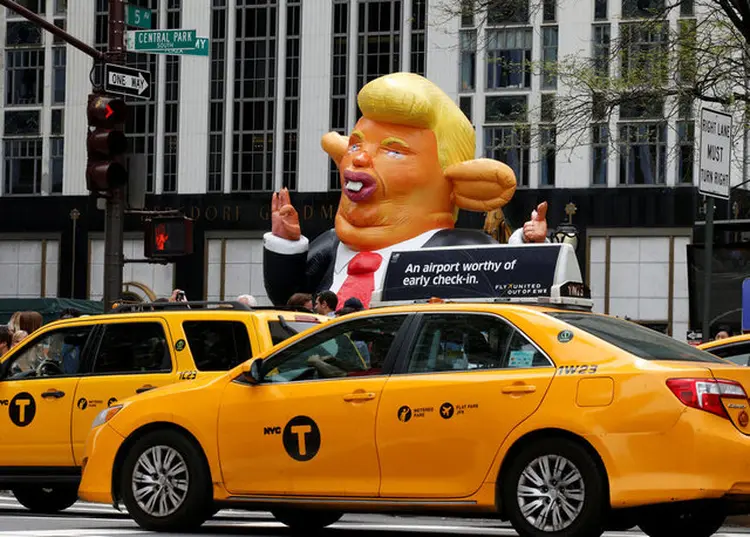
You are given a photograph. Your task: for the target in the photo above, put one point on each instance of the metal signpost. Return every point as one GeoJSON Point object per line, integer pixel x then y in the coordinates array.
{"type": "Point", "coordinates": [127, 81]}
{"type": "Point", "coordinates": [714, 169]}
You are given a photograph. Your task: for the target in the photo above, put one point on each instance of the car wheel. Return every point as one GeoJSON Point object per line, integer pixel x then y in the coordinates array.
{"type": "Point", "coordinates": [53, 499]}
{"type": "Point", "coordinates": [663, 523]}
{"type": "Point", "coordinates": [165, 483]}
{"type": "Point", "coordinates": [306, 520]}
{"type": "Point", "coordinates": [555, 488]}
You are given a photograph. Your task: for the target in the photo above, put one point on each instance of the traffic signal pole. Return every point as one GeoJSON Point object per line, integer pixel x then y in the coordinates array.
{"type": "Point", "coordinates": [115, 203]}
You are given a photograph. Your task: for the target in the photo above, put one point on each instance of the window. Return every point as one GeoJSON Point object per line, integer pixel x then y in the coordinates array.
{"type": "Point", "coordinates": [687, 8]}
{"type": "Point", "coordinates": [637, 340]}
{"type": "Point", "coordinates": [379, 40]}
{"type": "Point", "coordinates": [599, 153]}
{"type": "Point", "coordinates": [549, 11]}
{"type": "Point", "coordinates": [56, 161]}
{"type": "Point", "coordinates": [548, 152]}
{"type": "Point", "coordinates": [339, 80]}
{"type": "Point", "coordinates": [468, 64]}
{"type": "Point", "coordinates": [601, 49]}
{"type": "Point", "coordinates": [600, 9]}
{"type": "Point", "coordinates": [24, 76]}
{"type": "Point", "coordinates": [686, 143]}
{"type": "Point", "coordinates": [506, 108]}
{"type": "Point", "coordinates": [644, 51]}
{"type": "Point", "coordinates": [511, 145]}
{"type": "Point", "coordinates": [468, 342]}
{"type": "Point", "coordinates": [217, 96]}
{"type": "Point", "coordinates": [22, 122]}
{"type": "Point", "coordinates": [37, 6]}
{"type": "Point", "coordinates": [57, 121]}
{"type": "Point", "coordinates": [291, 96]}
{"type": "Point", "coordinates": [418, 29]}
{"type": "Point", "coordinates": [738, 353]}
{"type": "Point", "coordinates": [217, 345]}
{"type": "Point", "coordinates": [512, 11]}
{"type": "Point", "coordinates": [634, 9]}
{"type": "Point", "coordinates": [133, 348]}
{"type": "Point", "coordinates": [465, 104]}
{"type": "Point", "coordinates": [354, 348]}
{"type": "Point", "coordinates": [467, 13]}
{"type": "Point", "coordinates": [643, 153]}
{"type": "Point", "coordinates": [281, 332]}
{"type": "Point", "coordinates": [55, 353]}
{"type": "Point", "coordinates": [686, 62]}
{"type": "Point", "coordinates": [254, 97]}
{"type": "Point", "coordinates": [549, 57]}
{"type": "Point", "coordinates": [23, 166]}
{"type": "Point", "coordinates": [58, 75]}
{"type": "Point", "coordinates": [21, 33]}
{"type": "Point", "coordinates": [547, 111]}
{"type": "Point", "coordinates": [509, 58]}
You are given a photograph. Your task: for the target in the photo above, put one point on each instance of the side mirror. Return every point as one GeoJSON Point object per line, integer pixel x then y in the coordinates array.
{"type": "Point", "coordinates": [252, 371]}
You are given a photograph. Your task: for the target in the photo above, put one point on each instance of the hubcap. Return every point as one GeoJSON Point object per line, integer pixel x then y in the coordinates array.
{"type": "Point", "coordinates": [550, 493]}
{"type": "Point", "coordinates": [160, 481]}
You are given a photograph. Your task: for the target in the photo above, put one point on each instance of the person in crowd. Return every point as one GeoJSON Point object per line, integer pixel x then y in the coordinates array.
{"type": "Point", "coordinates": [723, 333]}
{"type": "Point", "coordinates": [249, 300]}
{"type": "Point", "coordinates": [30, 321]}
{"type": "Point", "coordinates": [345, 311]}
{"type": "Point", "coordinates": [6, 339]}
{"type": "Point", "coordinates": [178, 295]}
{"type": "Point", "coordinates": [13, 322]}
{"type": "Point", "coordinates": [70, 313]}
{"type": "Point", "coordinates": [301, 299]}
{"type": "Point", "coordinates": [354, 304]}
{"type": "Point", "coordinates": [325, 303]}
{"type": "Point", "coordinates": [18, 337]}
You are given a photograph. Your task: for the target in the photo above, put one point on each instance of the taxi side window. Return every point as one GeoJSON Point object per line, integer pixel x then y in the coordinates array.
{"type": "Point", "coordinates": [132, 348]}
{"type": "Point", "coordinates": [738, 353]}
{"type": "Point", "coordinates": [217, 345]}
{"type": "Point", "coordinates": [454, 342]}
{"type": "Point", "coordinates": [355, 348]}
{"type": "Point", "coordinates": [56, 353]}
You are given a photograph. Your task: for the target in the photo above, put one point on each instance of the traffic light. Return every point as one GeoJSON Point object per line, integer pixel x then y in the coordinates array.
{"type": "Point", "coordinates": [106, 143]}
{"type": "Point", "coordinates": [168, 236]}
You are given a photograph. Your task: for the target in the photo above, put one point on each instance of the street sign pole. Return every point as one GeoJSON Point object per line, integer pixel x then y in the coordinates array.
{"type": "Point", "coordinates": [714, 182]}
{"type": "Point", "coordinates": [115, 207]}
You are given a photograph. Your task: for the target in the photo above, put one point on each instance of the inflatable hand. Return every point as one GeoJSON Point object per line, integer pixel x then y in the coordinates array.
{"type": "Point", "coordinates": [284, 217]}
{"type": "Point", "coordinates": [481, 184]}
{"type": "Point", "coordinates": [535, 230]}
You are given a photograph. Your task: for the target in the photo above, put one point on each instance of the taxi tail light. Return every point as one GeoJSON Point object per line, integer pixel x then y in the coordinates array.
{"type": "Point", "coordinates": [706, 394]}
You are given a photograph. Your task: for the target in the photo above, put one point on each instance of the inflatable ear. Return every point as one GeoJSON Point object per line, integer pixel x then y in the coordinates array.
{"type": "Point", "coordinates": [335, 145]}
{"type": "Point", "coordinates": [482, 184]}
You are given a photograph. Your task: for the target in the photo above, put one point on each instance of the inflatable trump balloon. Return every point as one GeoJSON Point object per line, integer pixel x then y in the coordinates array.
{"type": "Point", "coordinates": [406, 169]}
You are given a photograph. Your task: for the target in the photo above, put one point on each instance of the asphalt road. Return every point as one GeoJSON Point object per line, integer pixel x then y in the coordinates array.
{"type": "Point", "coordinates": [89, 520]}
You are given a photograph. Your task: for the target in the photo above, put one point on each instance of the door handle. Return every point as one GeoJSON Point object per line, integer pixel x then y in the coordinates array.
{"type": "Point", "coordinates": [145, 388]}
{"type": "Point", "coordinates": [360, 396]}
{"type": "Point", "coordinates": [519, 389]}
{"type": "Point", "coordinates": [56, 394]}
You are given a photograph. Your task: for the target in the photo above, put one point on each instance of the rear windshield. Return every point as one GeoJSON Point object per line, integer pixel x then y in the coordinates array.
{"type": "Point", "coordinates": [289, 328]}
{"type": "Point", "coordinates": [635, 339]}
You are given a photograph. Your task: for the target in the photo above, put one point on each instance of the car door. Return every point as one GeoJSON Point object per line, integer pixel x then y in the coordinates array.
{"type": "Point", "coordinates": [132, 356]}
{"type": "Point", "coordinates": [36, 397]}
{"type": "Point", "coordinates": [309, 427]}
{"type": "Point", "coordinates": [466, 382]}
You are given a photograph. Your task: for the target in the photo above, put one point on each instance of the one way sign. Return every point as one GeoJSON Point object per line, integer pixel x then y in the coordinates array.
{"type": "Point", "coordinates": [127, 81]}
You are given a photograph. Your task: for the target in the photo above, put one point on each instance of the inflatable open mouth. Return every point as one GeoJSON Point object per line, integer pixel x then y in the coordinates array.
{"type": "Point", "coordinates": [359, 186]}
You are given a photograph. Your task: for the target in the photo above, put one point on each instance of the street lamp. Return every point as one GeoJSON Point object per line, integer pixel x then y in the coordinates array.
{"type": "Point", "coordinates": [567, 233]}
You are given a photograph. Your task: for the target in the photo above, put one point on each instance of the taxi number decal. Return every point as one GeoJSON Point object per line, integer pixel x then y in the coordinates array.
{"type": "Point", "coordinates": [577, 369]}
{"type": "Point", "coordinates": [187, 375]}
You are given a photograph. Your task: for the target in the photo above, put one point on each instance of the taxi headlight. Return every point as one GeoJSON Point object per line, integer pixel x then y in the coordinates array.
{"type": "Point", "coordinates": [105, 415]}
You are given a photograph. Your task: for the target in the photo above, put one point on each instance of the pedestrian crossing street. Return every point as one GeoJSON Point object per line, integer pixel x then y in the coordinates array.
{"type": "Point", "coordinates": [232, 521]}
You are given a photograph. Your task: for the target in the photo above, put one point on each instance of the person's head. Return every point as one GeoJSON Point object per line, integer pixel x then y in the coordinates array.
{"type": "Point", "coordinates": [354, 304]}
{"type": "Point", "coordinates": [248, 300]}
{"type": "Point", "coordinates": [722, 334]}
{"type": "Point", "coordinates": [301, 299]}
{"type": "Point", "coordinates": [344, 311]}
{"type": "Point", "coordinates": [13, 322]}
{"type": "Point", "coordinates": [407, 166]}
{"type": "Point", "coordinates": [69, 313]}
{"type": "Point", "coordinates": [29, 321]}
{"type": "Point", "coordinates": [326, 302]}
{"type": "Point", "coordinates": [6, 339]}
{"type": "Point", "coordinates": [18, 337]}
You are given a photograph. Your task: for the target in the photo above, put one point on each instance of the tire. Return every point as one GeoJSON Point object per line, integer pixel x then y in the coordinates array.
{"type": "Point", "coordinates": [306, 521]}
{"type": "Point", "coordinates": [586, 495]}
{"type": "Point", "coordinates": [47, 500]}
{"type": "Point", "coordinates": [190, 483]}
{"type": "Point", "coordinates": [693, 523]}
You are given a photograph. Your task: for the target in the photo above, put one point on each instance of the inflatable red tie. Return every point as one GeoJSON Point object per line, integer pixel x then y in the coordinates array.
{"type": "Point", "coordinates": [360, 282]}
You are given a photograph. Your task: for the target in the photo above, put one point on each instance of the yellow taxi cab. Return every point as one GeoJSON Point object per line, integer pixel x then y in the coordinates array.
{"type": "Point", "coordinates": [736, 349]}
{"type": "Point", "coordinates": [537, 411]}
{"type": "Point", "coordinates": [54, 384]}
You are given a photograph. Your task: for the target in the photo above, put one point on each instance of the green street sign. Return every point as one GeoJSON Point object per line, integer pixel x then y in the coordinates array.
{"type": "Point", "coordinates": [159, 40]}
{"type": "Point", "coordinates": [137, 17]}
{"type": "Point", "coordinates": [200, 49]}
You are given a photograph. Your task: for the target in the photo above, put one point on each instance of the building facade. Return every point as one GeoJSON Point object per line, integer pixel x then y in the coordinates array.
{"type": "Point", "coordinates": [222, 133]}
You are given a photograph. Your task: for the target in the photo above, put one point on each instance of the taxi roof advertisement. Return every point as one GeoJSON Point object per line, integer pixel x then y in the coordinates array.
{"type": "Point", "coordinates": [480, 272]}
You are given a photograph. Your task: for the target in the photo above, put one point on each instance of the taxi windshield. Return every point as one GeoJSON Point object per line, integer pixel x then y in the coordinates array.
{"type": "Point", "coordinates": [635, 339]}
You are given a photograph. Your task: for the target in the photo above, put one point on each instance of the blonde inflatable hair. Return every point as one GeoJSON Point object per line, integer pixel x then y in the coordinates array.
{"type": "Point", "coordinates": [412, 100]}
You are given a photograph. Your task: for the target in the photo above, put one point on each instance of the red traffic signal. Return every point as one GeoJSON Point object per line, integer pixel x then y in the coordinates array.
{"type": "Point", "coordinates": [168, 236]}
{"type": "Point", "coordinates": [106, 143]}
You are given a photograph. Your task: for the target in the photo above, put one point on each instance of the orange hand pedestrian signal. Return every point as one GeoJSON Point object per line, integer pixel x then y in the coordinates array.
{"type": "Point", "coordinates": [161, 236]}
{"type": "Point", "coordinates": [168, 237]}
